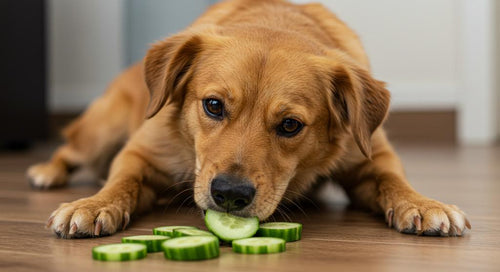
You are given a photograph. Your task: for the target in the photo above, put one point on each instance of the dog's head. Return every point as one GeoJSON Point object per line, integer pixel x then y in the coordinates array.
{"type": "Point", "coordinates": [266, 113]}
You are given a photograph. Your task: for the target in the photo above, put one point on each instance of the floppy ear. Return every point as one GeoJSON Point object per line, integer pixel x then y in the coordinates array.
{"type": "Point", "coordinates": [167, 67]}
{"type": "Point", "coordinates": [361, 100]}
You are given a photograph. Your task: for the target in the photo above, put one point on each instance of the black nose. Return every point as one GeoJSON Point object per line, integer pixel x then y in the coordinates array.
{"type": "Point", "coordinates": [232, 193]}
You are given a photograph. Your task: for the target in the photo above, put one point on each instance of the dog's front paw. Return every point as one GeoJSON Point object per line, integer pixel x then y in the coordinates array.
{"type": "Point", "coordinates": [47, 175]}
{"type": "Point", "coordinates": [425, 216]}
{"type": "Point", "coordinates": [88, 217]}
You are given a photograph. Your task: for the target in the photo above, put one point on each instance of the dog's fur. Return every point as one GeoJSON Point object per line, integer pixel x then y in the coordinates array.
{"type": "Point", "coordinates": [266, 60]}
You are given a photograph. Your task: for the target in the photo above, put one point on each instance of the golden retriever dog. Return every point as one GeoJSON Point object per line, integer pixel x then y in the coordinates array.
{"type": "Point", "coordinates": [250, 106]}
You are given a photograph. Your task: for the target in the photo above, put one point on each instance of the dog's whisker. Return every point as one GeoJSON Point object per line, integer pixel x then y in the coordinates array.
{"type": "Point", "coordinates": [180, 206]}
{"type": "Point", "coordinates": [283, 214]}
{"type": "Point", "coordinates": [279, 208]}
{"type": "Point", "coordinates": [284, 208]}
{"type": "Point", "coordinates": [303, 196]}
{"type": "Point", "coordinates": [187, 177]}
{"type": "Point", "coordinates": [177, 195]}
{"type": "Point", "coordinates": [179, 182]}
{"type": "Point", "coordinates": [272, 203]}
{"type": "Point", "coordinates": [191, 202]}
{"type": "Point", "coordinates": [296, 205]}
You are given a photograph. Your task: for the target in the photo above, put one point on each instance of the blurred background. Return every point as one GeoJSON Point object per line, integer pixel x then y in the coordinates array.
{"type": "Point", "coordinates": [440, 59]}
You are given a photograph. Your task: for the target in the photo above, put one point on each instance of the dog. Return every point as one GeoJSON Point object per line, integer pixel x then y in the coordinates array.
{"type": "Point", "coordinates": [250, 106]}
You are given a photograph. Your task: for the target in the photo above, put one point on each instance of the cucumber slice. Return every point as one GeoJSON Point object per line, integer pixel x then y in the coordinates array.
{"type": "Point", "coordinates": [190, 232]}
{"type": "Point", "coordinates": [119, 252]}
{"type": "Point", "coordinates": [259, 245]}
{"type": "Point", "coordinates": [152, 242]}
{"type": "Point", "coordinates": [169, 230]}
{"type": "Point", "coordinates": [288, 231]}
{"type": "Point", "coordinates": [191, 248]}
{"type": "Point", "coordinates": [229, 227]}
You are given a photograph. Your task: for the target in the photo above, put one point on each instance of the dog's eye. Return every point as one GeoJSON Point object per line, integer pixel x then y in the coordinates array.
{"type": "Point", "coordinates": [214, 108]}
{"type": "Point", "coordinates": [289, 127]}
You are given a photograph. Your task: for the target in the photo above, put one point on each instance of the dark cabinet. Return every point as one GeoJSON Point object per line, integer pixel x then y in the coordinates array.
{"type": "Point", "coordinates": [23, 70]}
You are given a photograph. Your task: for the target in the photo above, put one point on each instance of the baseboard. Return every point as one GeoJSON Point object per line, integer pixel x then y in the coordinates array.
{"type": "Point", "coordinates": [437, 126]}
{"type": "Point", "coordinates": [402, 126]}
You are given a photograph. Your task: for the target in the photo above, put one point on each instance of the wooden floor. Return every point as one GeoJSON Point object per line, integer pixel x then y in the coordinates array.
{"type": "Point", "coordinates": [334, 237]}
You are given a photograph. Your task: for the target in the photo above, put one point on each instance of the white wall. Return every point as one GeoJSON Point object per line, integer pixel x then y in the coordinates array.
{"type": "Point", "coordinates": [91, 41]}
{"type": "Point", "coordinates": [497, 68]}
{"type": "Point", "coordinates": [412, 46]}
{"type": "Point", "coordinates": [153, 20]}
{"type": "Point", "coordinates": [85, 50]}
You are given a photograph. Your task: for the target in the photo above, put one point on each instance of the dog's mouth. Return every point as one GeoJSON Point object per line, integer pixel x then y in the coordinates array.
{"type": "Point", "coordinates": [253, 209]}
{"type": "Point", "coordinates": [240, 213]}
{"type": "Point", "coordinates": [238, 195]}
{"type": "Point", "coordinates": [229, 194]}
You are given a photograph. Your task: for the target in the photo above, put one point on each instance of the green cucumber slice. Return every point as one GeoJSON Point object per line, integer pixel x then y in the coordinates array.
{"type": "Point", "coordinates": [288, 231]}
{"type": "Point", "coordinates": [119, 252]}
{"type": "Point", "coordinates": [259, 245]}
{"type": "Point", "coordinates": [190, 232]}
{"type": "Point", "coordinates": [191, 248]}
{"type": "Point", "coordinates": [152, 242]}
{"type": "Point", "coordinates": [169, 230]}
{"type": "Point", "coordinates": [229, 227]}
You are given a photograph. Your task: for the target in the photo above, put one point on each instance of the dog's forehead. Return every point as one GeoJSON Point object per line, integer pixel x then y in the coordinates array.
{"type": "Point", "coordinates": [256, 71]}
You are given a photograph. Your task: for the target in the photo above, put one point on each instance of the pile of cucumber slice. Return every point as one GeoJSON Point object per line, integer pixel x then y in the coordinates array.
{"type": "Point", "coordinates": [187, 243]}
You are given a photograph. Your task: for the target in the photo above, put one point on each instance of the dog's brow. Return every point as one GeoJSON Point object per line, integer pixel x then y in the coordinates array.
{"type": "Point", "coordinates": [226, 89]}
{"type": "Point", "coordinates": [300, 99]}
{"type": "Point", "coordinates": [293, 110]}
{"type": "Point", "coordinates": [220, 93]}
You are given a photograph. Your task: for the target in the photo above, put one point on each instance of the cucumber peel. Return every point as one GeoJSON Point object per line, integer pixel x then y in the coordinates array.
{"type": "Point", "coordinates": [288, 231]}
{"type": "Point", "coordinates": [152, 242]}
{"type": "Point", "coordinates": [119, 252]}
{"type": "Point", "coordinates": [191, 232]}
{"type": "Point", "coordinates": [259, 245]}
{"type": "Point", "coordinates": [169, 230]}
{"type": "Point", "coordinates": [191, 248]}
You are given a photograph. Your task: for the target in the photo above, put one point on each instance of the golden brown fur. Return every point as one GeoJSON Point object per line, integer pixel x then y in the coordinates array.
{"type": "Point", "coordinates": [267, 60]}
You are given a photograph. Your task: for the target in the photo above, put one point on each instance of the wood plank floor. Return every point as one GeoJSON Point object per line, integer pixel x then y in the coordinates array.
{"type": "Point", "coordinates": [335, 238]}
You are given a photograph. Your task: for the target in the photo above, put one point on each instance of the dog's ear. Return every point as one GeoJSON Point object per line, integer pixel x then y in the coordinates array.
{"type": "Point", "coordinates": [359, 101]}
{"type": "Point", "coordinates": [167, 67]}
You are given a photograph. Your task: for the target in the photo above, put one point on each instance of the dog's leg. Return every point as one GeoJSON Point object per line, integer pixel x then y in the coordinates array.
{"type": "Point", "coordinates": [380, 185]}
{"type": "Point", "coordinates": [92, 138]}
{"type": "Point", "coordinates": [55, 172]}
{"type": "Point", "coordinates": [109, 210]}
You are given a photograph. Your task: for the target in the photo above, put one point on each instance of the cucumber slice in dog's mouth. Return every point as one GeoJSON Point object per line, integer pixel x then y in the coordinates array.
{"type": "Point", "coordinates": [230, 227]}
